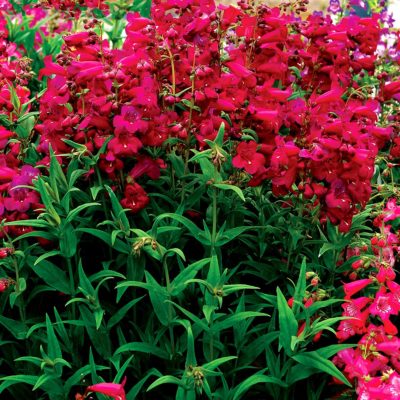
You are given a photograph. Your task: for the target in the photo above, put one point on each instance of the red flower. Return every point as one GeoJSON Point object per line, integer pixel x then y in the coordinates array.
{"type": "Point", "coordinates": [5, 252]}
{"type": "Point", "coordinates": [248, 158]}
{"type": "Point", "coordinates": [135, 197]}
{"type": "Point", "coordinates": [147, 166]}
{"type": "Point", "coordinates": [4, 284]}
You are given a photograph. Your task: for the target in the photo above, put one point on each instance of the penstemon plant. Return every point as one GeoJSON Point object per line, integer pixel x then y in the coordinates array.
{"type": "Point", "coordinates": [198, 201]}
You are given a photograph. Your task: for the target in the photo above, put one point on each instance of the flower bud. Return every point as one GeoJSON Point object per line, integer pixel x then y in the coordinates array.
{"type": "Point", "coordinates": [5, 252]}
{"type": "Point", "coordinates": [4, 284]}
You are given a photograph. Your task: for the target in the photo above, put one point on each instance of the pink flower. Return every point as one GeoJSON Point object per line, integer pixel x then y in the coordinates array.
{"type": "Point", "coordinates": [354, 287]}
{"type": "Point", "coordinates": [4, 284]}
{"type": "Point", "coordinates": [114, 390]}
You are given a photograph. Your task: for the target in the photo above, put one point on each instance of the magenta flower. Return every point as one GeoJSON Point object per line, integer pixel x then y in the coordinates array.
{"type": "Point", "coordinates": [354, 287]}
{"type": "Point", "coordinates": [248, 158]}
{"type": "Point", "coordinates": [114, 390]}
{"type": "Point", "coordinates": [147, 166]}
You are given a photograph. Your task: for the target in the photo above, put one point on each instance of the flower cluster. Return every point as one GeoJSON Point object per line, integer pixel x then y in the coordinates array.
{"type": "Point", "coordinates": [375, 363]}
{"type": "Point", "coordinates": [190, 68]}
{"type": "Point", "coordinates": [16, 198]}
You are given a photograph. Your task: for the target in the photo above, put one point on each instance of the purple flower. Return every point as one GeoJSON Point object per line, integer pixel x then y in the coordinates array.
{"type": "Point", "coordinates": [334, 7]}
{"type": "Point", "coordinates": [21, 198]}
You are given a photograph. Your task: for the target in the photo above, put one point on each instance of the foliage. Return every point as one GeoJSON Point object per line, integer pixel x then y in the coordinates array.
{"type": "Point", "coordinates": [184, 192]}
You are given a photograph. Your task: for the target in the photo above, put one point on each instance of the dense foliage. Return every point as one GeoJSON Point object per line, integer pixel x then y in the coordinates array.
{"type": "Point", "coordinates": [199, 201]}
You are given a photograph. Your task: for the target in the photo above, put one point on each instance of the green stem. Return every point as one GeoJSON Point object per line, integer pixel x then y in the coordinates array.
{"type": "Point", "coordinates": [168, 282]}
{"type": "Point", "coordinates": [104, 206]}
{"type": "Point", "coordinates": [214, 220]}
{"type": "Point", "coordinates": [71, 285]}
{"type": "Point", "coordinates": [211, 342]}
{"type": "Point", "coordinates": [173, 76]}
{"type": "Point", "coordinates": [115, 34]}
{"type": "Point", "coordinates": [21, 306]}
{"type": "Point", "coordinates": [189, 136]}
{"type": "Point", "coordinates": [16, 269]}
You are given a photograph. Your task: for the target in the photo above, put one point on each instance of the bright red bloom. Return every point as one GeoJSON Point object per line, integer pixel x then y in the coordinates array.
{"type": "Point", "coordinates": [147, 166]}
{"type": "Point", "coordinates": [135, 197]}
{"type": "Point", "coordinates": [248, 158]}
{"type": "Point", "coordinates": [5, 252]}
{"type": "Point", "coordinates": [4, 284]}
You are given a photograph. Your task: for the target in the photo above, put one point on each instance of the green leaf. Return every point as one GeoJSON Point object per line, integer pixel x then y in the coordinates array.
{"type": "Point", "coordinates": [118, 245]}
{"type": "Point", "coordinates": [121, 313]}
{"type": "Point", "coordinates": [214, 274]}
{"type": "Point", "coordinates": [99, 337]}
{"type": "Point", "coordinates": [315, 360]}
{"type": "Point", "coordinates": [234, 188]}
{"type": "Point", "coordinates": [201, 155]}
{"type": "Point", "coordinates": [256, 347]}
{"type": "Point", "coordinates": [190, 351]}
{"type": "Point", "coordinates": [84, 282]}
{"type": "Point", "coordinates": [46, 255]}
{"type": "Point", "coordinates": [43, 190]}
{"type": "Point", "coordinates": [16, 328]}
{"type": "Point", "coordinates": [143, 347]}
{"type": "Point", "coordinates": [295, 235]}
{"type": "Point", "coordinates": [118, 210]}
{"type": "Point", "coordinates": [296, 72]}
{"type": "Point", "coordinates": [178, 284]}
{"type": "Point", "coordinates": [196, 232]}
{"type": "Point", "coordinates": [322, 304]}
{"type": "Point", "coordinates": [219, 139]}
{"type": "Point", "coordinates": [228, 289]}
{"type": "Point", "coordinates": [253, 380]}
{"type": "Point", "coordinates": [60, 329]}
{"type": "Point", "coordinates": [235, 318]}
{"type": "Point", "coordinates": [80, 374]}
{"type": "Point", "coordinates": [53, 347]}
{"type": "Point", "coordinates": [51, 274]}
{"type": "Point", "coordinates": [191, 316]}
{"type": "Point", "coordinates": [328, 247]}
{"type": "Point", "coordinates": [166, 379]}
{"type": "Point", "coordinates": [122, 370]}
{"type": "Point", "coordinates": [34, 223]}
{"type": "Point", "coordinates": [178, 164]}
{"type": "Point", "coordinates": [68, 240]}
{"type": "Point", "coordinates": [230, 234]}
{"type": "Point", "coordinates": [42, 380]}
{"type": "Point", "coordinates": [13, 379]}
{"type": "Point", "coordinates": [287, 323]}
{"type": "Point", "coordinates": [134, 392]}
{"type": "Point", "coordinates": [208, 311]}
{"type": "Point", "coordinates": [329, 351]}
{"type": "Point", "coordinates": [212, 365]}
{"type": "Point", "coordinates": [56, 176]}
{"type": "Point", "coordinates": [34, 360]}
{"type": "Point", "coordinates": [299, 372]}
{"type": "Point", "coordinates": [73, 213]}
{"type": "Point", "coordinates": [300, 289]}
{"type": "Point", "coordinates": [158, 296]}
{"type": "Point", "coordinates": [208, 170]}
